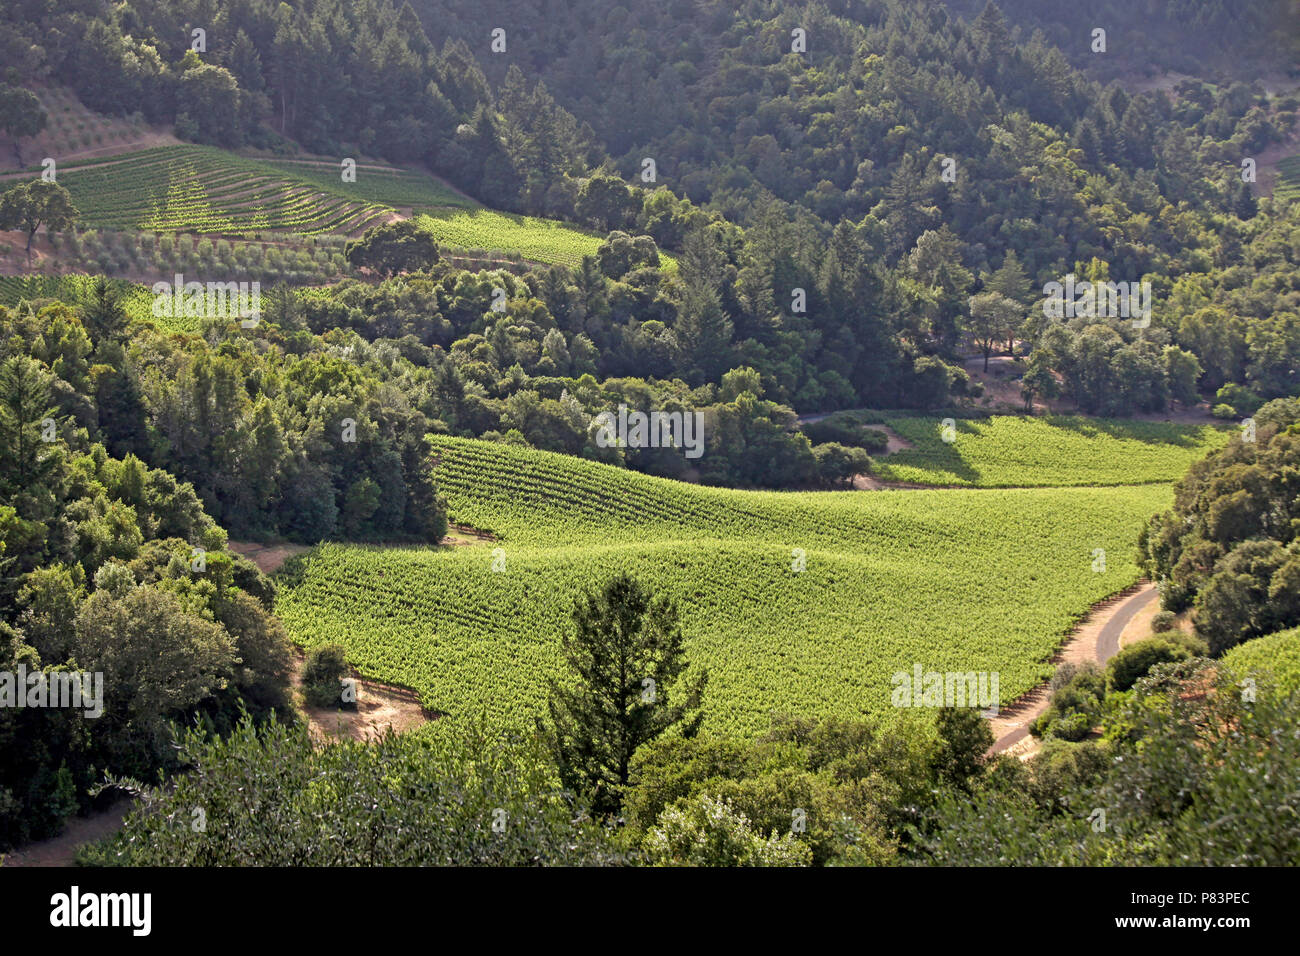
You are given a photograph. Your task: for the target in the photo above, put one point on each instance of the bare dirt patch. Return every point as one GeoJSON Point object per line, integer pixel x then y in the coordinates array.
{"type": "Point", "coordinates": [1001, 383]}
{"type": "Point", "coordinates": [462, 535]}
{"type": "Point", "coordinates": [379, 708]}
{"type": "Point", "coordinates": [896, 442]}
{"type": "Point", "coordinates": [872, 483]}
{"type": "Point", "coordinates": [267, 557]}
{"type": "Point", "coordinates": [62, 849]}
{"type": "Point", "coordinates": [1140, 627]}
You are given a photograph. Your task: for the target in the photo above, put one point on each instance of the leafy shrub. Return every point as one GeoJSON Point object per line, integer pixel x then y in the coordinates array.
{"type": "Point", "coordinates": [272, 798]}
{"type": "Point", "coordinates": [837, 464]}
{"type": "Point", "coordinates": [1253, 590]}
{"type": "Point", "coordinates": [1072, 727]}
{"type": "Point", "coordinates": [1223, 411]}
{"type": "Point", "coordinates": [1063, 768]}
{"type": "Point", "coordinates": [1195, 645]}
{"type": "Point", "coordinates": [1164, 621]}
{"type": "Point", "coordinates": [1242, 399]}
{"type": "Point", "coordinates": [1077, 692]}
{"type": "Point", "coordinates": [706, 831]}
{"type": "Point", "coordinates": [115, 578]}
{"type": "Point", "coordinates": [323, 674]}
{"type": "Point", "coordinates": [1198, 782]}
{"type": "Point", "coordinates": [843, 431]}
{"type": "Point", "coordinates": [1134, 661]}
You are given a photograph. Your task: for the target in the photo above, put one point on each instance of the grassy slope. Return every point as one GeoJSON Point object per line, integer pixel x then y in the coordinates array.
{"type": "Point", "coordinates": [953, 580]}
{"type": "Point", "coordinates": [539, 240]}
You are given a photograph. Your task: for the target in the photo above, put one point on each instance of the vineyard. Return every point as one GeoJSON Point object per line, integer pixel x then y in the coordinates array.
{"type": "Point", "coordinates": [1018, 568]}
{"type": "Point", "coordinates": [204, 190]}
{"type": "Point", "coordinates": [1006, 451]}
{"type": "Point", "coordinates": [1273, 658]}
{"type": "Point", "coordinates": [1287, 186]}
{"type": "Point", "coordinates": [74, 289]}
{"type": "Point", "coordinates": [382, 185]}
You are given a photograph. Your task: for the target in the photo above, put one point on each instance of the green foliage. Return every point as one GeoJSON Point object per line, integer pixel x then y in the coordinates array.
{"type": "Point", "coordinates": [1075, 704]}
{"type": "Point", "coordinates": [705, 831]}
{"type": "Point", "coordinates": [620, 253]}
{"type": "Point", "coordinates": [1239, 398]}
{"type": "Point", "coordinates": [322, 675]}
{"type": "Point", "coordinates": [606, 203]}
{"type": "Point", "coordinates": [964, 739]}
{"type": "Point", "coordinates": [99, 578]}
{"type": "Point", "coordinates": [837, 464]}
{"type": "Point", "coordinates": [1062, 770]}
{"type": "Point", "coordinates": [30, 205]}
{"type": "Point", "coordinates": [1199, 777]}
{"type": "Point", "coordinates": [846, 428]}
{"type": "Point", "coordinates": [1254, 590]}
{"type": "Point", "coordinates": [392, 248]}
{"type": "Point", "coordinates": [159, 660]}
{"type": "Point", "coordinates": [849, 207]}
{"type": "Point", "coordinates": [1274, 658]}
{"type": "Point", "coordinates": [1163, 621]}
{"type": "Point", "coordinates": [839, 787]}
{"type": "Point", "coordinates": [21, 115]}
{"type": "Point", "coordinates": [825, 261]}
{"type": "Point", "coordinates": [271, 797]}
{"type": "Point", "coordinates": [1228, 545]}
{"type": "Point", "coordinates": [1133, 661]}
{"type": "Point", "coordinates": [626, 657]}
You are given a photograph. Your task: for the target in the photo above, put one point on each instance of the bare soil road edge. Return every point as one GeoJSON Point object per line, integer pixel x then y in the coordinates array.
{"type": "Point", "coordinates": [1097, 638]}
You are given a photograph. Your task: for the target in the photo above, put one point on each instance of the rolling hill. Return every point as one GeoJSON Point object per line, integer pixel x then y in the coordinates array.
{"type": "Point", "coordinates": [953, 580]}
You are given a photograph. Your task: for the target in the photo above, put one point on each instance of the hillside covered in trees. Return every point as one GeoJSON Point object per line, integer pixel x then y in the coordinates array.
{"type": "Point", "coordinates": [853, 217]}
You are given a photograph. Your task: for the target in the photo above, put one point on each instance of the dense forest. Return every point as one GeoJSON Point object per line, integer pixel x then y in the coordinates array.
{"type": "Point", "coordinates": [853, 218]}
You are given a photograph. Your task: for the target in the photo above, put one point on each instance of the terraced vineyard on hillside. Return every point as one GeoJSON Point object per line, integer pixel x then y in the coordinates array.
{"type": "Point", "coordinates": [386, 186]}
{"type": "Point", "coordinates": [1007, 451]}
{"type": "Point", "coordinates": [199, 189]}
{"type": "Point", "coordinates": [208, 191]}
{"type": "Point", "coordinates": [1015, 569]}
